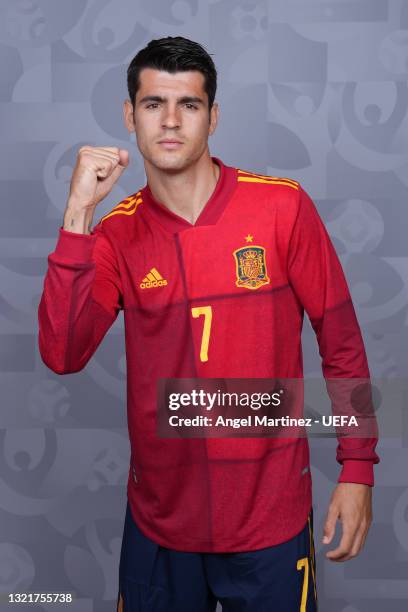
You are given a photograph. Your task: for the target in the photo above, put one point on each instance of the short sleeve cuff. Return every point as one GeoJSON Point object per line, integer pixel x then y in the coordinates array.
{"type": "Point", "coordinates": [358, 471]}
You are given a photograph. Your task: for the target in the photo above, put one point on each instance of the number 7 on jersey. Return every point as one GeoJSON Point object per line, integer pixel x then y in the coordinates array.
{"type": "Point", "coordinates": [196, 311]}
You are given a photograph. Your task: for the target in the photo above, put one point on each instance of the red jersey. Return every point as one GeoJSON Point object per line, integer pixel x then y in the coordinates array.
{"type": "Point", "coordinates": [224, 494]}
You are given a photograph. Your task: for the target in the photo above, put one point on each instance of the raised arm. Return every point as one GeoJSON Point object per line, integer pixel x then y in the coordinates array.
{"type": "Point", "coordinates": [82, 292]}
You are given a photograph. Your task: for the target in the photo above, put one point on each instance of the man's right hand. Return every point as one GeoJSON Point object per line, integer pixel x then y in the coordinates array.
{"type": "Point", "coordinates": [96, 171]}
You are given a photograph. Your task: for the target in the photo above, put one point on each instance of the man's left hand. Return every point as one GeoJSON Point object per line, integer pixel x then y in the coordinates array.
{"type": "Point", "coordinates": [351, 503]}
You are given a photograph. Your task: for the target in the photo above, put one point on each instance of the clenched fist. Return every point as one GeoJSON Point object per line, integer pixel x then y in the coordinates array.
{"type": "Point", "coordinates": [96, 171]}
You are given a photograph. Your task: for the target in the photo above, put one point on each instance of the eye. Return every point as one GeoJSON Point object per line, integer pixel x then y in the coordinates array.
{"type": "Point", "coordinates": [152, 104]}
{"type": "Point", "coordinates": [190, 105]}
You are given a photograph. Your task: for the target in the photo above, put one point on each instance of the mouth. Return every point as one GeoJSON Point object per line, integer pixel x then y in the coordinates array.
{"type": "Point", "coordinates": [170, 143]}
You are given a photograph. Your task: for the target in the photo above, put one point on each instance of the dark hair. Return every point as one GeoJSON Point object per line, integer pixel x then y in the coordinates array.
{"type": "Point", "coordinates": [173, 54]}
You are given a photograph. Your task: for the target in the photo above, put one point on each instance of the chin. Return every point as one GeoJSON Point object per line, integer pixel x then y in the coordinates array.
{"type": "Point", "coordinates": [172, 160]}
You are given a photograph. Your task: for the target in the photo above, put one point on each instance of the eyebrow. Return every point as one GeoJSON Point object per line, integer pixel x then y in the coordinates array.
{"type": "Point", "coordinates": [182, 100]}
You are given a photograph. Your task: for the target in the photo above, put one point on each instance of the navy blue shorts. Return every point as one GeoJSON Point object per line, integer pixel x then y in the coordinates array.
{"type": "Point", "coordinates": [279, 578]}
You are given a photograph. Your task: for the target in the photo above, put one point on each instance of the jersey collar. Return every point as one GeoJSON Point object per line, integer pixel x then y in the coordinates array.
{"type": "Point", "coordinates": [213, 209]}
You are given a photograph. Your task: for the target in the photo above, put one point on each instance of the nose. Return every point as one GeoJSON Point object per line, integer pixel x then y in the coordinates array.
{"type": "Point", "coordinates": [171, 116]}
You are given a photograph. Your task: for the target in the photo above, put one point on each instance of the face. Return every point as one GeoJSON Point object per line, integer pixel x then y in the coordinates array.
{"type": "Point", "coordinates": [172, 108]}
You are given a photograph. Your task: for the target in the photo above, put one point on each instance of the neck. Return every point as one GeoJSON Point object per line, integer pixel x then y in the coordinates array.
{"type": "Point", "coordinates": [186, 192]}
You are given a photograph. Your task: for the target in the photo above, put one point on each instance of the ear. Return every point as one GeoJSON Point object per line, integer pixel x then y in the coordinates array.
{"type": "Point", "coordinates": [128, 115]}
{"type": "Point", "coordinates": [214, 114]}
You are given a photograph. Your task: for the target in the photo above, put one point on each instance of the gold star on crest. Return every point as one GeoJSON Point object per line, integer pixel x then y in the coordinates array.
{"type": "Point", "coordinates": [249, 238]}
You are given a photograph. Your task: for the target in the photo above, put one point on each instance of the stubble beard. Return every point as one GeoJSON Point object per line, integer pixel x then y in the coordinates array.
{"type": "Point", "coordinates": [170, 160]}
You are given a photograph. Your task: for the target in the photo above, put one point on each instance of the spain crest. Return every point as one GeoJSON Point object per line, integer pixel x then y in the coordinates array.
{"type": "Point", "coordinates": [251, 267]}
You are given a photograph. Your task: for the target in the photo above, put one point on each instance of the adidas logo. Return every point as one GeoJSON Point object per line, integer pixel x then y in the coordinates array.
{"type": "Point", "coordinates": [153, 279]}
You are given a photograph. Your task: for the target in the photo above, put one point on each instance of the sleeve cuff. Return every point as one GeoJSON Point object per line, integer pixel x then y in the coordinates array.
{"type": "Point", "coordinates": [77, 247]}
{"type": "Point", "coordinates": [359, 471]}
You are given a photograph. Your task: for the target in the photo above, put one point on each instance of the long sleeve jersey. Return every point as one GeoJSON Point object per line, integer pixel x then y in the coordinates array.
{"type": "Point", "coordinates": [206, 494]}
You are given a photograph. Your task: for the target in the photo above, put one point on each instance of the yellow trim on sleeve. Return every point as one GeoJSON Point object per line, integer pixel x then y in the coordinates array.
{"type": "Point", "coordinates": [251, 179]}
{"type": "Point", "coordinates": [265, 176]}
{"type": "Point", "coordinates": [119, 209]}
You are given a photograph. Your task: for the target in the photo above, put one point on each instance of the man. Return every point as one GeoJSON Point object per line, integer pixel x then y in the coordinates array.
{"type": "Point", "coordinates": [213, 267]}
